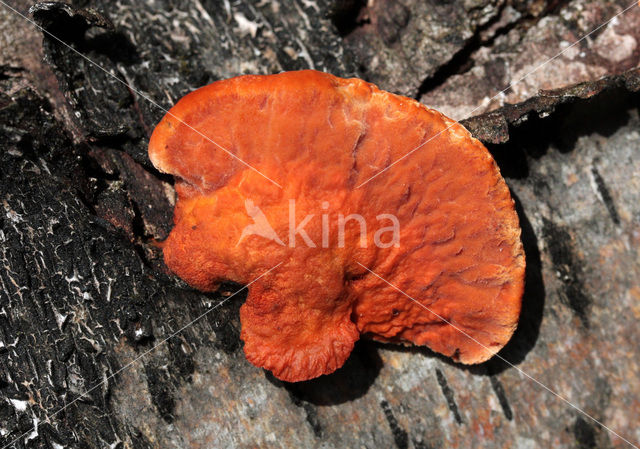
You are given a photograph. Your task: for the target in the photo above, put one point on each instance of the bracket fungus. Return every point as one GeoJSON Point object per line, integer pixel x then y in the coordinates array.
{"type": "Point", "coordinates": [284, 170]}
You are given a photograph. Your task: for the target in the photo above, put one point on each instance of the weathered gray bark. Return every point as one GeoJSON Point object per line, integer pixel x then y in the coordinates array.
{"type": "Point", "coordinates": [84, 295]}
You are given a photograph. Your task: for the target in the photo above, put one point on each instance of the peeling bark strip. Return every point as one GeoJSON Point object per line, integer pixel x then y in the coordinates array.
{"type": "Point", "coordinates": [493, 127]}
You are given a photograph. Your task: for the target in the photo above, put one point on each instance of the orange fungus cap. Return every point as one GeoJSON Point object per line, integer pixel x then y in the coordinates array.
{"type": "Point", "coordinates": [281, 169]}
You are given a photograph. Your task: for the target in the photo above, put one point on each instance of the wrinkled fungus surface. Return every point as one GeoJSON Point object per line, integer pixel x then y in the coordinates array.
{"type": "Point", "coordinates": [457, 252]}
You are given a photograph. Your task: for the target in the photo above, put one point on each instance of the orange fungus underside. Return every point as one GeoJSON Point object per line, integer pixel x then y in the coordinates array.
{"type": "Point", "coordinates": [456, 255]}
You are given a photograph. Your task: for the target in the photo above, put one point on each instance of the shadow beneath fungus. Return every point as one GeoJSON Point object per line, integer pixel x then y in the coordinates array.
{"type": "Point", "coordinates": [348, 383]}
{"type": "Point", "coordinates": [602, 115]}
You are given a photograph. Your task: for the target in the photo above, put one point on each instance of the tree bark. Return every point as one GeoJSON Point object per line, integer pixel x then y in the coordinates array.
{"type": "Point", "coordinates": [100, 346]}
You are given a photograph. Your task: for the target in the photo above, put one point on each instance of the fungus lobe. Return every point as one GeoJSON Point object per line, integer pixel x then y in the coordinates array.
{"type": "Point", "coordinates": [440, 235]}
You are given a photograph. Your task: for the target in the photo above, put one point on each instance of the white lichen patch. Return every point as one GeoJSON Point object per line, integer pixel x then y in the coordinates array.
{"type": "Point", "coordinates": [19, 404]}
{"type": "Point", "coordinates": [245, 26]}
{"type": "Point", "coordinates": [613, 46]}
